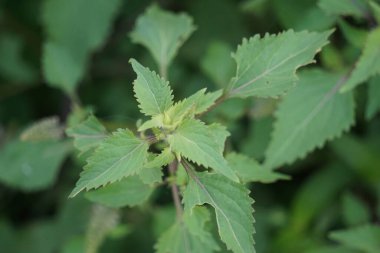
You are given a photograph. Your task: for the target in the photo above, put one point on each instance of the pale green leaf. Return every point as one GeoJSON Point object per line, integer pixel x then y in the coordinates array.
{"type": "Point", "coordinates": [151, 176]}
{"type": "Point", "coordinates": [88, 134]}
{"type": "Point", "coordinates": [192, 140]}
{"type": "Point", "coordinates": [368, 64]}
{"type": "Point", "coordinates": [266, 66]}
{"type": "Point", "coordinates": [207, 100]}
{"type": "Point", "coordinates": [162, 33]}
{"type": "Point", "coordinates": [162, 159]}
{"type": "Point", "coordinates": [249, 170]}
{"type": "Point", "coordinates": [152, 92]}
{"type": "Point", "coordinates": [373, 99]}
{"type": "Point", "coordinates": [309, 115]}
{"type": "Point", "coordinates": [118, 156]}
{"type": "Point", "coordinates": [189, 235]}
{"type": "Point", "coordinates": [365, 238]}
{"type": "Point", "coordinates": [219, 134]}
{"type": "Point", "coordinates": [356, 8]}
{"type": "Point", "coordinates": [31, 166]}
{"type": "Point", "coordinates": [130, 191]}
{"type": "Point", "coordinates": [233, 208]}
{"type": "Point", "coordinates": [43, 129]}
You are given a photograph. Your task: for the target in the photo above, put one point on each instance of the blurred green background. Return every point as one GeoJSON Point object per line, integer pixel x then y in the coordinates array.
{"type": "Point", "coordinates": [334, 188]}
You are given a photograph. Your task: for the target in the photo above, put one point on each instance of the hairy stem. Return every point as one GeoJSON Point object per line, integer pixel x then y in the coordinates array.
{"type": "Point", "coordinates": [173, 166]}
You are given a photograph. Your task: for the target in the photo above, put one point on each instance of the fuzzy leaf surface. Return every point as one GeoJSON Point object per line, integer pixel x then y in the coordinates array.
{"type": "Point", "coordinates": [120, 155]}
{"type": "Point", "coordinates": [311, 114]}
{"type": "Point", "coordinates": [193, 141]}
{"type": "Point", "coordinates": [266, 66]}
{"type": "Point", "coordinates": [232, 205]}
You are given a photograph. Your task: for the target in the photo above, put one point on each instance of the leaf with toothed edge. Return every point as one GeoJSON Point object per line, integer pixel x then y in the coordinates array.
{"type": "Point", "coordinates": [193, 140]}
{"type": "Point", "coordinates": [120, 155]}
{"type": "Point", "coordinates": [152, 92]}
{"type": "Point", "coordinates": [309, 115]}
{"type": "Point", "coordinates": [232, 205]}
{"type": "Point", "coordinates": [266, 66]}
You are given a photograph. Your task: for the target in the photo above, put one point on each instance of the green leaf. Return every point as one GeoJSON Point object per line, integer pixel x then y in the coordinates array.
{"type": "Point", "coordinates": [355, 211]}
{"type": "Point", "coordinates": [152, 92]}
{"type": "Point", "coordinates": [373, 97]}
{"type": "Point", "coordinates": [31, 166]}
{"type": "Point", "coordinates": [162, 33]}
{"type": "Point", "coordinates": [118, 156]}
{"type": "Point", "coordinates": [43, 129]}
{"type": "Point", "coordinates": [74, 30]}
{"type": "Point", "coordinates": [357, 8]}
{"type": "Point", "coordinates": [309, 115]}
{"type": "Point", "coordinates": [365, 238]}
{"type": "Point", "coordinates": [189, 235]}
{"type": "Point", "coordinates": [164, 158]}
{"type": "Point", "coordinates": [151, 176]}
{"type": "Point", "coordinates": [130, 191]}
{"type": "Point", "coordinates": [88, 134]}
{"type": "Point", "coordinates": [368, 64]}
{"type": "Point", "coordinates": [192, 140]}
{"type": "Point", "coordinates": [233, 208]}
{"type": "Point", "coordinates": [266, 66]}
{"type": "Point", "coordinates": [375, 7]}
{"type": "Point", "coordinates": [219, 134]}
{"type": "Point", "coordinates": [356, 36]}
{"type": "Point", "coordinates": [249, 170]}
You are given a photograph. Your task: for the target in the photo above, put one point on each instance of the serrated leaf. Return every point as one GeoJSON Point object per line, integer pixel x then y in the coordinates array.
{"type": "Point", "coordinates": [189, 235]}
{"type": "Point", "coordinates": [373, 97]}
{"type": "Point", "coordinates": [357, 8]}
{"type": "Point", "coordinates": [249, 170]}
{"type": "Point", "coordinates": [130, 191]}
{"type": "Point", "coordinates": [162, 33]}
{"type": "Point", "coordinates": [193, 141]}
{"type": "Point", "coordinates": [219, 134]}
{"type": "Point", "coordinates": [162, 159]}
{"type": "Point", "coordinates": [31, 166]}
{"type": "Point", "coordinates": [88, 134]}
{"type": "Point", "coordinates": [266, 66]}
{"type": "Point", "coordinates": [152, 92]}
{"type": "Point", "coordinates": [309, 115]}
{"type": "Point", "coordinates": [232, 205]}
{"type": "Point", "coordinates": [365, 238]}
{"type": "Point", "coordinates": [120, 155]}
{"type": "Point", "coordinates": [42, 130]}
{"type": "Point", "coordinates": [368, 64]}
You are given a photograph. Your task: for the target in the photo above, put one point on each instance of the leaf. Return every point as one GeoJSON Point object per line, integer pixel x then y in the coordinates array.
{"type": "Point", "coordinates": [189, 235]}
{"type": "Point", "coordinates": [162, 33]}
{"type": "Point", "coordinates": [309, 115]}
{"type": "Point", "coordinates": [73, 31]}
{"type": "Point", "coordinates": [43, 129]}
{"type": "Point", "coordinates": [232, 206]}
{"type": "Point", "coordinates": [249, 170]}
{"type": "Point", "coordinates": [355, 36]}
{"type": "Point", "coordinates": [368, 64]}
{"type": "Point", "coordinates": [151, 176]}
{"type": "Point", "coordinates": [88, 134]}
{"type": "Point", "coordinates": [373, 97]}
{"type": "Point", "coordinates": [152, 92]}
{"type": "Point", "coordinates": [164, 158]}
{"type": "Point", "coordinates": [193, 141]}
{"type": "Point", "coordinates": [130, 191]}
{"type": "Point", "coordinates": [375, 7]}
{"type": "Point", "coordinates": [357, 8]}
{"type": "Point", "coordinates": [118, 156]}
{"type": "Point", "coordinates": [355, 212]}
{"type": "Point", "coordinates": [266, 66]}
{"type": "Point", "coordinates": [219, 134]}
{"type": "Point", "coordinates": [32, 166]}
{"type": "Point", "coordinates": [365, 238]}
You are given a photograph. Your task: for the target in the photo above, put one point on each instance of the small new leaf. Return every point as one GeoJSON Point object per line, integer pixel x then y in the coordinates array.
{"type": "Point", "coordinates": [120, 155]}
{"type": "Point", "coordinates": [152, 92]}
{"type": "Point", "coordinates": [232, 205]}
{"type": "Point", "coordinates": [193, 140]}
{"type": "Point", "coordinates": [266, 66]}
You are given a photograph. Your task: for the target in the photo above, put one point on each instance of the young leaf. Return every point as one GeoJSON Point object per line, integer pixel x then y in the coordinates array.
{"type": "Point", "coordinates": [357, 8]}
{"type": "Point", "coordinates": [44, 129]}
{"type": "Point", "coordinates": [152, 92]}
{"type": "Point", "coordinates": [303, 117]}
{"type": "Point", "coordinates": [164, 158]}
{"type": "Point", "coordinates": [365, 238]}
{"type": "Point", "coordinates": [88, 134]}
{"type": "Point", "coordinates": [249, 170]}
{"type": "Point", "coordinates": [120, 155]}
{"type": "Point", "coordinates": [189, 235]}
{"type": "Point", "coordinates": [192, 140]}
{"type": "Point", "coordinates": [233, 208]}
{"type": "Point", "coordinates": [368, 64]}
{"type": "Point", "coordinates": [162, 33]}
{"type": "Point", "coordinates": [130, 191]}
{"type": "Point", "coordinates": [266, 66]}
{"type": "Point", "coordinates": [373, 97]}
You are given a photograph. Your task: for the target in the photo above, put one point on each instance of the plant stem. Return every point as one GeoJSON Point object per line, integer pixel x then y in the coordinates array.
{"type": "Point", "coordinates": [173, 166]}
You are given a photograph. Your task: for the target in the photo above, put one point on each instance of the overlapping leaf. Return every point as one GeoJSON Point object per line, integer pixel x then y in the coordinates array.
{"type": "Point", "coordinates": [373, 103]}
